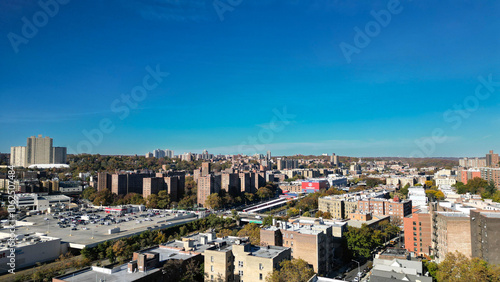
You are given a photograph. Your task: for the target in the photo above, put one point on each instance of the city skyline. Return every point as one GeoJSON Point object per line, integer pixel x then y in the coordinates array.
{"type": "Point", "coordinates": [232, 74]}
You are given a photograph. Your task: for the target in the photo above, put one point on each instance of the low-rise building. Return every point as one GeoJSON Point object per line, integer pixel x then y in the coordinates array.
{"type": "Point", "coordinates": [30, 250]}
{"type": "Point", "coordinates": [417, 196]}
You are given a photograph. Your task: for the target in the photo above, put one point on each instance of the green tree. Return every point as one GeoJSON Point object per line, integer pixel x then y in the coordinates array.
{"type": "Point", "coordinates": [461, 187]}
{"type": "Point", "coordinates": [249, 197]}
{"type": "Point", "coordinates": [476, 185]}
{"type": "Point", "coordinates": [173, 270]}
{"type": "Point", "coordinates": [89, 193]}
{"type": "Point", "coordinates": [103, 197]}
{"type": "Point", "coordinates": [264, 193]}
{"type": "Point", "coordinates": [163, 199]}
{"type": "Point", "coordinates": [267, 221]}
{"type": "Point", "coordinates": [152, 201]}
{"type": "Point", "coordinates": [295, 270]}
{"type": "Point", "coordinates": [405, 190]}
{"type": "Point", "coordinates": [360, 241]}
{"type": "Point", "coordinates": [213, 201]}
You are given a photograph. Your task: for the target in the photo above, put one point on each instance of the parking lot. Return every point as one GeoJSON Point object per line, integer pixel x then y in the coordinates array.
{"type": "Point", "coordinates": [88, 229]}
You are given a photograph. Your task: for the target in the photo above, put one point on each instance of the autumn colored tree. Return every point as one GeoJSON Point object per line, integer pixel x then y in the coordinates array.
{"type": "Point", "coordinates": [252, 231]}
{"type": "Point", "coordinates": [457, 267]}
{"type": "Point", "coordinates": [267, 221]}
{"type": "Point", "coordinates": [213, 201]}
{"type": "Point", "coordinates": [295, 270]}
{"type": "Point", "coordinates": [434, 195]}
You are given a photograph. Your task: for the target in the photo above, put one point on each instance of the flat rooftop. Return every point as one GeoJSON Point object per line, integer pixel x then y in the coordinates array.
{"type": "Point", "coordinates": [375, 219]}
{"type": "Point", "coordinates": [267, 252]}
{"type": "Point", "coordinates": [23, 241]}
{"type": "Point", "coordinates": [452, 214]}
{"type": "Point", "coordinates": [119, 274]}
{"type": "Point", "coordinates": [297, 227]}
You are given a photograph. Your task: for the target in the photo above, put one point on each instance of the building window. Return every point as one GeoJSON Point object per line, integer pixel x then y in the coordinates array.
{"type": "Point", "coordinates": [240, 272]}
{"type": "Point", "coordinates": [212, 268]}
{"type": "Point", "coordinates": [240, 263]}
{"type": "Point", "coordinates": [414, 223]}
{"type": "Point", "coordinates": [260, 266]}
{"type": "Point", "coordinates": [260, 276]}
{"type": "Point", "coordinates": [211, 258]}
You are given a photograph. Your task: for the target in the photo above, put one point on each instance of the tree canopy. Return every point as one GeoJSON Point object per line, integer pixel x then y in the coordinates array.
{"type": "Point", "coordinates": [295, 270]}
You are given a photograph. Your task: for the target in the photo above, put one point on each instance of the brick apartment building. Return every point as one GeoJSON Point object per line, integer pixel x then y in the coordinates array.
{"type": "Point", "coordinates": [451, 231]}
{"type": "Point", "coordinates": [314, 243]}
{"type": "Point", "coordinates": [243, 262]}
{"type": "Point", "coordinates": [485, 235]}
{"type": "Point", "coordinates": [393, 207]}
{"type": "Point", "coordinates": [418, 232]}
{"type": "Point", "coordinates": [207, 185]}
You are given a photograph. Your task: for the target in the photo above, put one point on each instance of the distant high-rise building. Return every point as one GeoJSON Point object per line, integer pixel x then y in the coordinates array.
{"type": "Point", "coordinates": [39, 150]}
{"type": "Point", "coordinates": [158, 153]}
{"type": "Point", "coordinates": [492, 159]}
{"type": "Point", "coordinates": [18, 156]}
{"type": "Point", "coordinates": [149, 155]}
{"type": "Point", "coordinates": [59, 155]}
{"type": "Point", "coordinates": [103, 181]}
{"type": "Point", "coordinates": [334, 159]}
{"type": "Point", "coordinates": [205, 169]}
{"type": "Point", "coordinates": [187, 157]}
{"type": "Point", "coordinates": [491, 174]}
{"type": "Point", "coordinates": [472, 163]}
{"type": "Point", "coordinates": [287, 163]}
{"type": "Point", "coordinates": [268, 156]}
{"type": "Point", "coordinates": [169, 153]}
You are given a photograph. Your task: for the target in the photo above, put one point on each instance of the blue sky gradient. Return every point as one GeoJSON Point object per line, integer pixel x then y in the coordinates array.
{"type": "Point", "coordinates": [227, 78]}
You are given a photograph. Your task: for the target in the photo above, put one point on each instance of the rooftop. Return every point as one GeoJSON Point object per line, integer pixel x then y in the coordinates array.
{"type": "Point", "coordinates": [452, 214]}
{"type": "Point", "coordinates": [266, 252]}
{"type": "Point", "coordinates": [117, 274]}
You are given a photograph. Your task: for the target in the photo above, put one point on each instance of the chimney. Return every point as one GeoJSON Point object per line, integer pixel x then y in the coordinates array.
{"type": "Point", "coordinates": [132, 267]}
{"type": "Point", "coordinates": [203, 240]}
{"type": "Point", "coordinates": [141, 262]}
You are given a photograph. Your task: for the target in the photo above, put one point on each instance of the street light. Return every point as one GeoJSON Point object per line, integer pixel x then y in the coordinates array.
{"type": "Point", "coordinates": [359, 271]}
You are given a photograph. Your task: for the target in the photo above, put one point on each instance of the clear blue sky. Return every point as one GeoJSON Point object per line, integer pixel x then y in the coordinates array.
{"type": "Point", "coordinates": [229, 75]}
